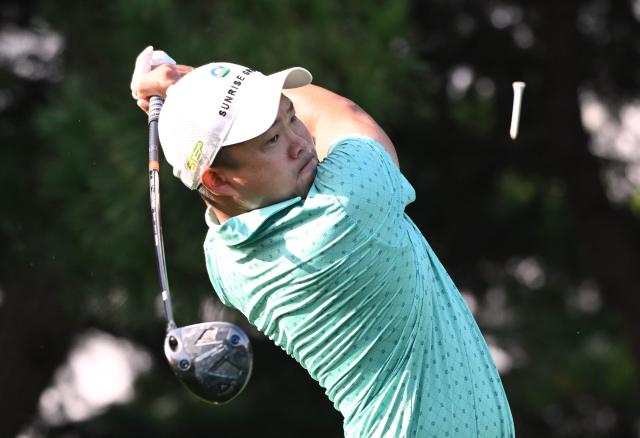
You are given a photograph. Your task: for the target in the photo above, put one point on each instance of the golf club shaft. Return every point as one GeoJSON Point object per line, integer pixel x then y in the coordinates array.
{"type": "Point", "coordinates": [155, 105]}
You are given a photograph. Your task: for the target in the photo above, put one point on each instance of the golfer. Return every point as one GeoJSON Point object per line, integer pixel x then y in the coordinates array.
{"type": "Point", "coordinates": [308, 238]}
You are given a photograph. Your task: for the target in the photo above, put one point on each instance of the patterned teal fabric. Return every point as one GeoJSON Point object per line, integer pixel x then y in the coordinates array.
{"type": "Point", "coordinates": [347, 285]}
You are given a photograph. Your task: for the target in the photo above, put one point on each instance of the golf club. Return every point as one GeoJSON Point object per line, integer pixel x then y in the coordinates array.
{"type": "Point", "coordinates": [212, 359]}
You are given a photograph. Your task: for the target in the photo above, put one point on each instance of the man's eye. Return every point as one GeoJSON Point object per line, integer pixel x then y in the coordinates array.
{"type": "Point", "coordinates": [274, 139]}
{"type": "Point", "coordinates": [294, 118]}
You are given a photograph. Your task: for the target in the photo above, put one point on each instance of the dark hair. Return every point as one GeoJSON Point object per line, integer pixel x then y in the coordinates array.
{"type": "Point", "coordinates": [204, 193]}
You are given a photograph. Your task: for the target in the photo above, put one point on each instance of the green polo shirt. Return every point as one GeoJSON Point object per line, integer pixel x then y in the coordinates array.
{"type": "Point", "coordinates": [347, 285]}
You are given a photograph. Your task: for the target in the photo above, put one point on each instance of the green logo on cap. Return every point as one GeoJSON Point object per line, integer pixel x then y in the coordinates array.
{"type": "Point", "coordinates": [219, 71]}
{"type": "Point", "coordinates": [196, 153]}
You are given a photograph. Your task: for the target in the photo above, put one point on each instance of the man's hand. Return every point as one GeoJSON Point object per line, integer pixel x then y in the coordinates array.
{"type": "Point", "coordinates": [157, 81]}
{"type": "Point", "coordinates": [154, 73]}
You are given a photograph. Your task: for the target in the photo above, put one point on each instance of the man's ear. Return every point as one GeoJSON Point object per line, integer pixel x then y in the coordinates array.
{"type": "Point", "coordinates": [217, 182]}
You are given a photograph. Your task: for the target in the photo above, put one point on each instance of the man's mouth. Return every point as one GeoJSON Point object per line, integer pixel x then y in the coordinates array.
{"type": "Point", "coordinates": [309, 163]}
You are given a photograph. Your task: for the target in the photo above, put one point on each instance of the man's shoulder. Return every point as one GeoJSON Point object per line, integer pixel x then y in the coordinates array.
{"type": "Point", "coordinates": [362, 177]}
{"type": "Point", "coordinates": [356, 145]}
{"type": "Point", "coordinates": [352, 159]}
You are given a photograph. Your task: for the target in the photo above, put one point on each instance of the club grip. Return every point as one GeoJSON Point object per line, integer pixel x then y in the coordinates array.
{"type": "Point", "coordinates": [155, 105]}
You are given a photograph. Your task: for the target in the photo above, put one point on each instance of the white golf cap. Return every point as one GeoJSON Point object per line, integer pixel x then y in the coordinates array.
{"type": "Point", "coordinates": [216, 105]}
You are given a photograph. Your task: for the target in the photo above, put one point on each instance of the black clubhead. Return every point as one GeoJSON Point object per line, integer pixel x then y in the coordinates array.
{"type": "Point", "coordinates": [212, 359]}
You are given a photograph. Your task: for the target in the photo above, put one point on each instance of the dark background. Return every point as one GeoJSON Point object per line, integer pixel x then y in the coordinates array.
{"type": "Point", "coordinates": [541, 234]}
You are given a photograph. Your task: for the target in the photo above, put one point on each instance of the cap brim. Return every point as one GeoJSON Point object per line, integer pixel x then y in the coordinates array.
{"type": "Point", "coordinates": [260, 108]}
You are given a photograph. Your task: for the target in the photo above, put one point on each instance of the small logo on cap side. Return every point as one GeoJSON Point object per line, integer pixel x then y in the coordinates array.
{"type": "Point", "coordinates": [219, 71]}
{"type": "Point", "coordinates": [196, 153]}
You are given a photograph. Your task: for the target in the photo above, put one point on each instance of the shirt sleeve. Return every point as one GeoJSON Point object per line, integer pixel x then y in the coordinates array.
{"type": "Point", "coordinates": [362, 176]}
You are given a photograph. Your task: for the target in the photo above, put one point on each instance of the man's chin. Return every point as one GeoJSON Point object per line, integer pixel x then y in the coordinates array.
{"type": "Point", "coordinates": [306, 178]}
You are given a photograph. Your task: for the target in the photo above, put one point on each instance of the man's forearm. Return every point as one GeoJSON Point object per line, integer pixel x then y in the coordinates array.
{"type": "Point", "coordinates": [331, 117]}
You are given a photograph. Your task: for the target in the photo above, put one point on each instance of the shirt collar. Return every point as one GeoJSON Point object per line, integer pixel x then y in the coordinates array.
{"type": "Point", "coordinates": [239, 229]}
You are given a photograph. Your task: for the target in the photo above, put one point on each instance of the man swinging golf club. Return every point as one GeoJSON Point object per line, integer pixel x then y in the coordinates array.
{"type": "Point", "coordinates": [309, 240]}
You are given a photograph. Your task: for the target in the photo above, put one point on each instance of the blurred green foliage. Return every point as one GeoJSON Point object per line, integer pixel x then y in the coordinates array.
{"type": "Point", "coordinates": [76, 220]}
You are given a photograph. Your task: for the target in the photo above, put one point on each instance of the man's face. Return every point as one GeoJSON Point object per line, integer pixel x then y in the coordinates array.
{"type": "Point", "coordinates": [278, 165]}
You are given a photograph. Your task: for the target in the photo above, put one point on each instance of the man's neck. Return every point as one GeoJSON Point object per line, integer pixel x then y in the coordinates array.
{"type": "Point", "coordinates": [220, 214]}
{"type": "Point", "coordinates": [224, 212]}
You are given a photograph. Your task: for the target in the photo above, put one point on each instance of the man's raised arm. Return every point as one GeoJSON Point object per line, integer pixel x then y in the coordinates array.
{"type": "Point", "coordinates": [330, 117]}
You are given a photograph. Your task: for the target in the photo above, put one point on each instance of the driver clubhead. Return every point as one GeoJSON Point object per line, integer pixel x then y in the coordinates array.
{"type": "Point", "coordinates": [212, 359]}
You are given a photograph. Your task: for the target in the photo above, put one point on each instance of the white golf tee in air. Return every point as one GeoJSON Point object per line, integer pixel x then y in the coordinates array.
{"type": "Point", "coordinates": [518, 88]}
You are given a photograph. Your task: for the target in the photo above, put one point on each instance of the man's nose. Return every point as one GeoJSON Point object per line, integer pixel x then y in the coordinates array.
{"type": "Point", "coordinates": [297, 144]}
